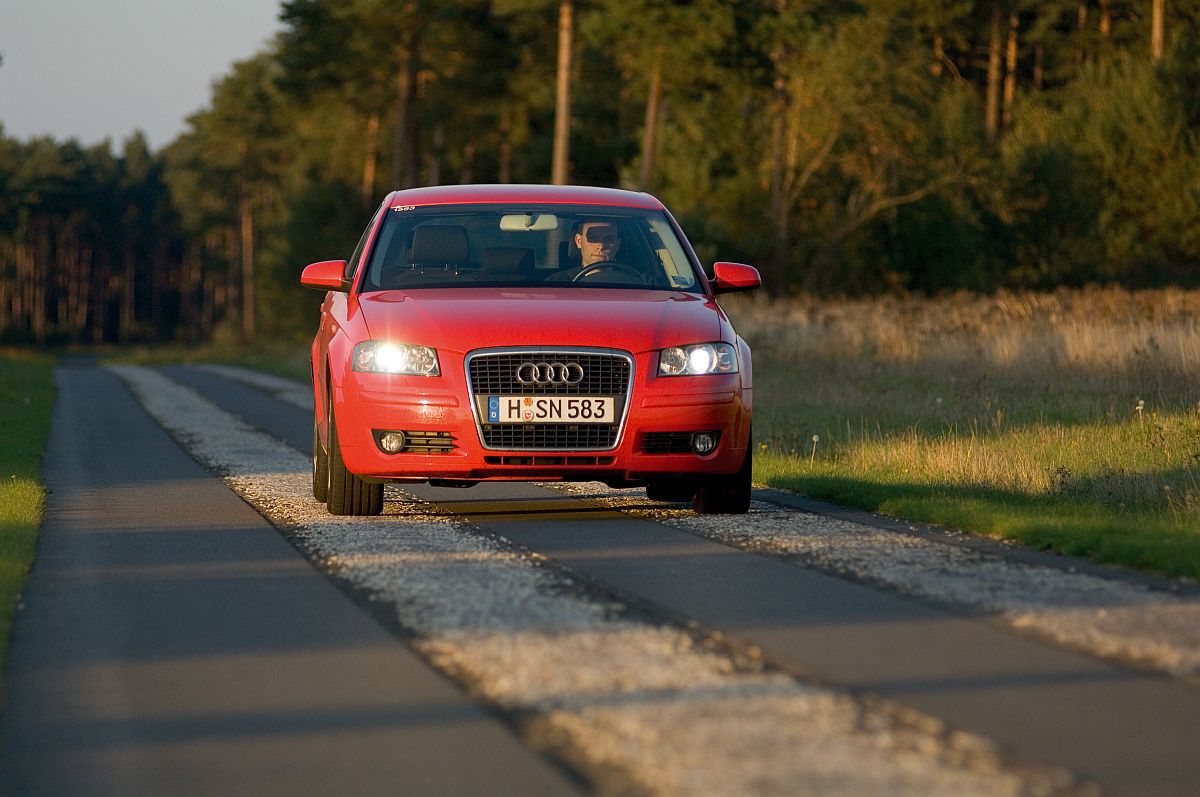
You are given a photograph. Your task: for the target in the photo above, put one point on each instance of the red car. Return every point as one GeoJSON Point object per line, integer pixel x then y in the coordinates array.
{"type": "Point", "coordinates": [531, 333]}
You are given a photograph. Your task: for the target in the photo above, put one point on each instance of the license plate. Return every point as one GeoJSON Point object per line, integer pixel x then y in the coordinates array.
{"type": "Point", "coordinates": [551, 409]}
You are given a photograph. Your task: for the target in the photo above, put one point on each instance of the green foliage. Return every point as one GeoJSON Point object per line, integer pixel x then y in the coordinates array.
{"type": "Point", "coordinates": [1130, 124]}
{"type": "Point", "coordinates": [26, 398]}
{"type": "Point", "coordinates": [839, 146]}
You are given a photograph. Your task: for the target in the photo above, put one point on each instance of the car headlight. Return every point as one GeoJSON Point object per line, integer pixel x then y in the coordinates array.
{"type": "Point", "coordinates": [382, 357]}
{"type": "Point", "coordinates": [703, 358]}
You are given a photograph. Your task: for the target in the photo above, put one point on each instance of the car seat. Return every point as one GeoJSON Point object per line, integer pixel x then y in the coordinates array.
{"type": "Point", "coordinates": [435, 254]}
{"type": "Point", "coordinates": [507, 262]}
{"type": "Point", "coordinates": [435, 245]}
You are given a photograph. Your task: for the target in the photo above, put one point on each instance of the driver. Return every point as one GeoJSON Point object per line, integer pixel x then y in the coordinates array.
{"type": "Point", "coordinates": [597, 241]}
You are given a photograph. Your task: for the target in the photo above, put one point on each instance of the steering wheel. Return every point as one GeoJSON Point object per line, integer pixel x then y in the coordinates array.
{"type": "Point", "coordinates": [609, 265]}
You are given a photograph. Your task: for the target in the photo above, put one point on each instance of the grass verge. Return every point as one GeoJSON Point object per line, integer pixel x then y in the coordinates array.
{"type": "Point", "coordinates": [26, 396]}
{"type": "Point", "coordinates": [1065, 421]}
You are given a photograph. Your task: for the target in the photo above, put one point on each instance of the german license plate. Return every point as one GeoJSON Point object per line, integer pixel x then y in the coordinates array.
{"type": "Point", "coordinates": [551, 409]}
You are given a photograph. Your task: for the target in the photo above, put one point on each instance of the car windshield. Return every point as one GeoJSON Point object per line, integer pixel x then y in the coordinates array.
{"type": "Point", "coordinates": [490, 245]}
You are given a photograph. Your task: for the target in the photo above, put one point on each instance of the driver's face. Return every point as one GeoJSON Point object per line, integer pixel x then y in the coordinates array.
{"type": "Point", "coordinates": [597, 241]}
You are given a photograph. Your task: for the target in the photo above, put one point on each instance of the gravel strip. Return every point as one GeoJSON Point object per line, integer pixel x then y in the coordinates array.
{"type": "Point", "coordinates": [637, 708]}
{"type": "Point", "coordinates": [1106, 617]}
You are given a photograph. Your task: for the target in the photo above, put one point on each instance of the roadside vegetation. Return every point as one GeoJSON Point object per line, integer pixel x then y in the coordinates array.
{"type": "Point", "coordinates": [26, 398]}
{"type": "Point", "coordinates": [842, 148]}
{"type": "Point", "coordinates": [1067, 421]}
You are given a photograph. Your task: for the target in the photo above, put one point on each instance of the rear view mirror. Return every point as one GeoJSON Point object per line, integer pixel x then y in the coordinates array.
{"type": "Point", "coordinates": [528, 222]}
{"type": "Point", "coordinates": [324, 276]}
{"type": "Point", "coordinates": [733, 277]}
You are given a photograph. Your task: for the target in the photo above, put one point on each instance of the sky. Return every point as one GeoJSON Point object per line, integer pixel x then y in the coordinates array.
{"type": "Point", "coordinates": [97, 69]}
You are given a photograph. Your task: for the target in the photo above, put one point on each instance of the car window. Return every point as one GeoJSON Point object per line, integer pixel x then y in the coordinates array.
{"type": "Point", "coordinates": [486, 245]}
{"type": "Point", "coordinates": [670, 254]}
{"type": "Point", "coordinates": [352, 263]}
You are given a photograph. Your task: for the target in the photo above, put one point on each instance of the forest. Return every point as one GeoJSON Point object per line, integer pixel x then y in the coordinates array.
{"type": "Point", "coordinates": [844, 148]}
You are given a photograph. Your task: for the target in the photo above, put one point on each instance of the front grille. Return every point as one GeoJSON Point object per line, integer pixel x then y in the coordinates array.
{"type": "Point", "coordinates": [549, 435]}
{"type": "Point", "coordinates": [544, 461]}
{"type": "Point", "coordinates": [604, 374]}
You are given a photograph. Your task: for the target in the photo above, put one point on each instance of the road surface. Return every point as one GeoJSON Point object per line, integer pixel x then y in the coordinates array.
{"type": "Point", "coordinates": [195, 623]}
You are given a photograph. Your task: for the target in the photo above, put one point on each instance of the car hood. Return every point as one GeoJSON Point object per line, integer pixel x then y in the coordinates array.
{"type": "Point", "coordinates": [466, 319]}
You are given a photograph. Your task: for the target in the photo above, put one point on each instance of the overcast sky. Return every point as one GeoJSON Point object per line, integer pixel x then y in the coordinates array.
{"type": "Point", "coordinates": [96, 69]}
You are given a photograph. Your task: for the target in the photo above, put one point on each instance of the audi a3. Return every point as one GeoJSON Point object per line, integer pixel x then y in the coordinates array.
{"type": "Point", "coordinates": [529, 333]}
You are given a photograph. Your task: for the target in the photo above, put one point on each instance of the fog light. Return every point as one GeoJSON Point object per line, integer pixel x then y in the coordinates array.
{"type": "Point", "coordinates": [392, 442]}
{"type": "Point", "coordinates": [703, 442]}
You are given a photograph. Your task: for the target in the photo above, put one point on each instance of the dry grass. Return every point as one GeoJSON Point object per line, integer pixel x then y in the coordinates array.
{"type": "Point", "coordinates": [1073, 401]}
{"type": "Point", "coordinates": [1105, 346]}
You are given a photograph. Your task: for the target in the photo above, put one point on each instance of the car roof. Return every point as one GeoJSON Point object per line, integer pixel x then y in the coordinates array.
{"type": "Point", "coordinates": [524, 194]}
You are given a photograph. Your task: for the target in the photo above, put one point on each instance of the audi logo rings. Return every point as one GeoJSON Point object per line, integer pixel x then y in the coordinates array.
{"type": "Point", "coordinates": [549, 373]}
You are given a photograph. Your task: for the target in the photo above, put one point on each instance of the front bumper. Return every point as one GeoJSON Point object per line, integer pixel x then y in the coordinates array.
{"type": "Point", "coordinates": [365, 403]}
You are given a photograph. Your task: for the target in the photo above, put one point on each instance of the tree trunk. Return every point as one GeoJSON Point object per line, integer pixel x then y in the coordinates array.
{"type": "Point", "coordinates": [781, 206]}
{"type": "Point", "coordinates": [189, 296]}
{"type": "Point", "coordinates": [208, 319]}
{"type": "Point", "coordinates": [438, 144]}
{"type": "Point", "coordinates": [1156, 30]}
{"type": "Point", "coordinates": [506, 145]}
{"type": "Point", "coordinates": [1010, 72]}
{"type": "Point", "coordinates": [38, 305]}
{"type": "Point", "coordinates": [562, 102]}
{"type": "Point", "coordinates": [166, 277]}
{"type": "Point", "coordinates": [1105, 18]}
{"type": "Point", "coordinates": [650, 133]}
{"type": "Point", "coordinates": [1039, 66]}
{"type": "Point", "coordinates": [127, 297]}
{"type": "Point", "coordinates": [82, 291]}
{"type": "Point", "coordinates": [404, 153]}
{"type": "Point", "coordinates": [99, 300]}
{"type": "Point", "coordinates": [371, 159]}
{"type": "Point", "coordinates": [23, 285]}
{"type": "Point", "coordinates": [466, 174]}
{"type": "Point", "coordinates": [992, 118]}
{"type": "Point", "coordinates": [246, 213]}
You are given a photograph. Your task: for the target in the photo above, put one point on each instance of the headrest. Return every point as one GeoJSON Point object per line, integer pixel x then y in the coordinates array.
{"type": "Point", "coordinates": [569, 254]}
{"type": "Point", "coordinates": [440, 244]}
{"type": "Point", "coordinates": [507, 259]}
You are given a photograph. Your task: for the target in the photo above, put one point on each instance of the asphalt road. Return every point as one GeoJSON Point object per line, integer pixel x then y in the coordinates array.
{"type": "Point", "coordinates": [172, 642]}
{"type": "Point", "coordinates": [160, 646]}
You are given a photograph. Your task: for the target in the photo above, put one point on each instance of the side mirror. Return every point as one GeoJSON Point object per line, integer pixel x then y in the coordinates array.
{"type": "Point", "coordinates": [733, 277]}
{"type": "Point", "coordinates": [324, 276]}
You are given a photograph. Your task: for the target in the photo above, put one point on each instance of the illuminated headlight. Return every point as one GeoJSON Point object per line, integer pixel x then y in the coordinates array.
{"type": "Point", "coordinates": [703, 358]}
{"type": "Point", "coordinates": [381, 357]}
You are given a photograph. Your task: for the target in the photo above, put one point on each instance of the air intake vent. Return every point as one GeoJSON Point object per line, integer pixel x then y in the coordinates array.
{"type": "Point", "coordinates": [429, 442]}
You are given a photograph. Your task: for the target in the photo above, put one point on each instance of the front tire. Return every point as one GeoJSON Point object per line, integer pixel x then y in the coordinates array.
{"type": "Point", "coordinates": [320, 466]}
{"type": "Point", "coordinates": [348, 494]}
{"type": "Point", "coordinates": [727, 495]}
